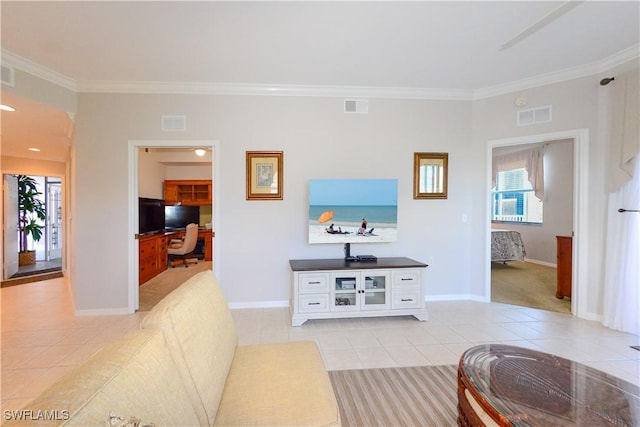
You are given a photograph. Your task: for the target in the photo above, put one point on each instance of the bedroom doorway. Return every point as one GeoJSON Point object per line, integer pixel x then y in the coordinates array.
{"type": "Point", "coordinates": [562, 212]}
{"type": "Point", "coordinates": [525, 222]}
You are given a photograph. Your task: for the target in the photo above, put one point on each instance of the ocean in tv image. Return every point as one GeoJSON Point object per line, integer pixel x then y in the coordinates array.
{"type": "Point", "coordinates": [337, 208]}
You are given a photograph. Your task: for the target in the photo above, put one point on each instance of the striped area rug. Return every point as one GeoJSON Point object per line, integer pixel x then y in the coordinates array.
{"type": "Point", "coordinates": [415, 396]}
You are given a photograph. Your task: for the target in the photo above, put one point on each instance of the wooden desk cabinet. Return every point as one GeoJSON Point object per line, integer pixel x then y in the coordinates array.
{"type": "Point", "coordinates": [152, 252]}
{"type": "Point", "coordinates": [191, 192]}
{"type": "Point", "coordinates": [564, 273]}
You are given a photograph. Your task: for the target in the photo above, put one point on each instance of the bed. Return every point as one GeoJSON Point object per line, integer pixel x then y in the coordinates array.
{"type": "Point", "coordinates": [506, 245]}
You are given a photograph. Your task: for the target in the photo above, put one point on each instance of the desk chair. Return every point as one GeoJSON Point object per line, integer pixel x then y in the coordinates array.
{"type": "Point", "coordinates": [181, 250]}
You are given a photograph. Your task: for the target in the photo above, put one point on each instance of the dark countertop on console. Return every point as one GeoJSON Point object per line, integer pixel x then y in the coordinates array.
{"type": "Point", "coordinates": [341, 264]}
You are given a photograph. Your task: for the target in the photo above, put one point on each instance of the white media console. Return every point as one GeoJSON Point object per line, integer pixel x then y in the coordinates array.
{"type": "Point", "coordinates": [335, 288]}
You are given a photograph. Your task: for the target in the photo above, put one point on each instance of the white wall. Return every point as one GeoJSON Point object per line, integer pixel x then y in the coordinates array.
{"type": "Point", "coordinates": [151, 174]}
{"type": "Point", "coordinates": [255, 239]}
{"type": "Point", "coordinates": [318, 140]}
{"type": "Point", "coordinates": [576, 105]}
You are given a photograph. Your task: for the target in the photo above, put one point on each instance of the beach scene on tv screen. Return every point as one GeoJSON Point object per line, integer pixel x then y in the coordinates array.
{"type": "Point", "coordinates": [353, 210]}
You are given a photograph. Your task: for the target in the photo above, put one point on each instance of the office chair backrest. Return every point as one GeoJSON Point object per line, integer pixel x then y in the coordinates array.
{"type": "Point", "coordinates": [190, 238]}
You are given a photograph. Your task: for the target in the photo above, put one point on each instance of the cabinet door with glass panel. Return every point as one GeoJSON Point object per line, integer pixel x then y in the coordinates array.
{"type": "Point", "coordinates": [360, 291]}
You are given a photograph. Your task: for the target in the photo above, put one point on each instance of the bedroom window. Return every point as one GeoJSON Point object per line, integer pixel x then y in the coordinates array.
{"type": "Point", "coordinates": [514, 199]}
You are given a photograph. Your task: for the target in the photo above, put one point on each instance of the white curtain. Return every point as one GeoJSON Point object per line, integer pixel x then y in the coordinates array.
{"type": "Point", "coordinates": [531, 159]}
{"type": "Point", "coordinates": [622, 257]}
{"type": "Point", "coordinates": [622, 260]}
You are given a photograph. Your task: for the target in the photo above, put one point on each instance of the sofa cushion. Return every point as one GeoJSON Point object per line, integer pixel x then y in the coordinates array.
{"type": "Point", "coordinates": [133, 376]}
{"type": "Point", "coordinates": [284, 384]}
{"type": "Point", "coordinates": [201, 337]}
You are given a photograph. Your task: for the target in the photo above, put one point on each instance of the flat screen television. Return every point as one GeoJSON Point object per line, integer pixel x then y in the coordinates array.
{"type": "Point", "coordinates": [353, 210]}
{"type": "Point", "coordinates": [150, 215]}
{"type": "Point", "coordinates": [179, 216]}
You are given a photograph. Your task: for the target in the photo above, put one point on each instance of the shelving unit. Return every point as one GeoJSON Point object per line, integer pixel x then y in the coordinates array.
{"type": "Point", "coordinates": [191, 192]}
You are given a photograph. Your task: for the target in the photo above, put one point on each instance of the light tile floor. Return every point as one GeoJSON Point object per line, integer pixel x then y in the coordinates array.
{"type": "Point", "coordinates": [42, 339]}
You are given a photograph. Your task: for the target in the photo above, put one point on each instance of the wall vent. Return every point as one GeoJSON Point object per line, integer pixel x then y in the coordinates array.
{"type": "Point", "coordinates": [8, 75]}
{"type": "Point", "coordinates": [174, 123]}
{"type": "Point", "coordinates": [534, 115]}
{"type": "Point", "coordinates": [359, 106]}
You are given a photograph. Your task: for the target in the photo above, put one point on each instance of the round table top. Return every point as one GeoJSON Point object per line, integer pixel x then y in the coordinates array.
{"type": "Point", "coordinates": [529, 387]}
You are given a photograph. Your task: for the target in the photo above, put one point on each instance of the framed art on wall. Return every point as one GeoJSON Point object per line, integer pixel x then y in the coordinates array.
{"type": "Point", "coordinates": [264, 175]}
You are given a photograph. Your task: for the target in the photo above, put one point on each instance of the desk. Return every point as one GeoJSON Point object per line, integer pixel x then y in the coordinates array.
{"type": "Point", "coordinates": [507, 385]}
{"type": "Point", "coordinates": [152, 252]}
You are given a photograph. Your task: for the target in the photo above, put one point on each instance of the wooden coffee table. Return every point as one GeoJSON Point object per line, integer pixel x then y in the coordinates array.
{"type": "Point", "coordinates": [506, 385]}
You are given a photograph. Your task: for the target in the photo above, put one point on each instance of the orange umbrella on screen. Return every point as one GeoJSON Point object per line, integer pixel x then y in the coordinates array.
{"type": "Point", "coordinates": [325, 216]}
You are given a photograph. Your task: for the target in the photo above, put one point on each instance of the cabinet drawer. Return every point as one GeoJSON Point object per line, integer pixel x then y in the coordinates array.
{"type": "Point", "coordinates": [313, 283]}
{"type": "Point", "coordinates": [407, 298]}
{"type": "Point", "coordinates": [313, 303]}
{"type": "Point", "coordinates": [406, 278]}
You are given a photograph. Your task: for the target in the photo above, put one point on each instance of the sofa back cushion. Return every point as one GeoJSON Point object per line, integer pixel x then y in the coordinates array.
{"type": "Point", "coordinates": [201, 337]}
{"type": "Point", "coordinates": [133, 377]}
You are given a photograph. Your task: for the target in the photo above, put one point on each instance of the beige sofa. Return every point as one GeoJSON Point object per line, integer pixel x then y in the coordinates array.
{"type": "Point", "coordinates": [184, 368]}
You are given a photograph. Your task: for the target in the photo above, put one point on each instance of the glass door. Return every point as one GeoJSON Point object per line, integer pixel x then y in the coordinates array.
{"type": "Point", "coordinates": [53, 236]}
{"type": "Point", "coordinates": [345, 292]}
{"type": "Point", "coordinates": [376, 285]}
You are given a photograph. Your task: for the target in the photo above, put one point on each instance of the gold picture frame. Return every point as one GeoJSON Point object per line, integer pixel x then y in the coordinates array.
{"type": "Point", "coordinates": [264, 175]}
{"type": "Point", "coordinates": [430, 175]}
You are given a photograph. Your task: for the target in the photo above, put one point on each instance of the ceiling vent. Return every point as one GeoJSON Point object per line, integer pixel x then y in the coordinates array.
{"type": "Point", "coordinates": [8, 75]}
{"type": "Point", "coordinates": [359, 106]}
{"type": "Point", "coordinates": [174, 123]}
{"type": "Point", "coordinates": [534, 115]}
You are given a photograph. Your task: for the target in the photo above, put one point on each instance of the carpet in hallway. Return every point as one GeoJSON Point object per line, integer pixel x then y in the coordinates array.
{"type": "Point", "coordinates": [413, 396]}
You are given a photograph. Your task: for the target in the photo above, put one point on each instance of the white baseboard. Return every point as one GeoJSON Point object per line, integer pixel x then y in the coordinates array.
{"type": "Point", "coordinates": [259, 304]}
{"type": "Point", "coordinates": [456, 297]}
{"type": "Point", "coordinates": [535, 261]}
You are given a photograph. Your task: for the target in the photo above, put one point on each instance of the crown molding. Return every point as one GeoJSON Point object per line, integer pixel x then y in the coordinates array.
{"type": "Point", "coordinates": [271, 90]}
{"type": "Point", "coordinates": [194, 88]}
{"type": "Point", "coordinates": [619, 58]}
{"type": "Point", "coordinates": [35, 69]}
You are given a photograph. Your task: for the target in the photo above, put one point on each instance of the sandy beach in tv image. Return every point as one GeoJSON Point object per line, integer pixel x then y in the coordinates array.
{"type": "Point", "coordinates": [338, 207]}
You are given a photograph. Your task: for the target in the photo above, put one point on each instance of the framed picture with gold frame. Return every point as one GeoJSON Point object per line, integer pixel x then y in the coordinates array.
{"type": "Point", "coordinates": [264, 175]}
{"type": "Point", "coordinates": [430, 172]}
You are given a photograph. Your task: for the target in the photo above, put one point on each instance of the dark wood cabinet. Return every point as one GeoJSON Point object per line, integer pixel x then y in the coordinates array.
{"type": "Point", "coordinates": [152, 252]}
{"type": "Point", "coordinates": [564, 274]}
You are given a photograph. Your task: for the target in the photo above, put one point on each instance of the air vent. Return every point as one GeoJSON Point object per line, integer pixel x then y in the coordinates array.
{"type": "Point", "coordinates": [174, 123]}
{"type": "Point", "coordinates": [534, 115]}
{"type": "Point", "coordinates": [8, 75]}
{"type": "Point", "coordinates": [359, 106]}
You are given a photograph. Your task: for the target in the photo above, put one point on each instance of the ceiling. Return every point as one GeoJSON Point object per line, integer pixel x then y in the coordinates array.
{"type": "Point", "coordinates": [448, 46]}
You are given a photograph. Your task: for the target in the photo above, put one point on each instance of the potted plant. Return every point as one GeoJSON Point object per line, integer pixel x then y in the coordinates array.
{"type": "Point", "coordinates": [30, 209]}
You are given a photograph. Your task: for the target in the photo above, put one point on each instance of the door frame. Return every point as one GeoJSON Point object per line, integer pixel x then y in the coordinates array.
{"type": "Point", "coordinates": [132, 179]}
{"type": "Point", "coordinates": [580, 137]}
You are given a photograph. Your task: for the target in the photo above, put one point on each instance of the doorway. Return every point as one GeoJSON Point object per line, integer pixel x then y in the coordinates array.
{"type": "Point", "coordinates": [46, 243]}
{"type": "Point", "coordinates": [525, 222]}
{"type": "Point", "coordinates": [135, 148]}
{"type": "Point", "coordinates": [580, 138]}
